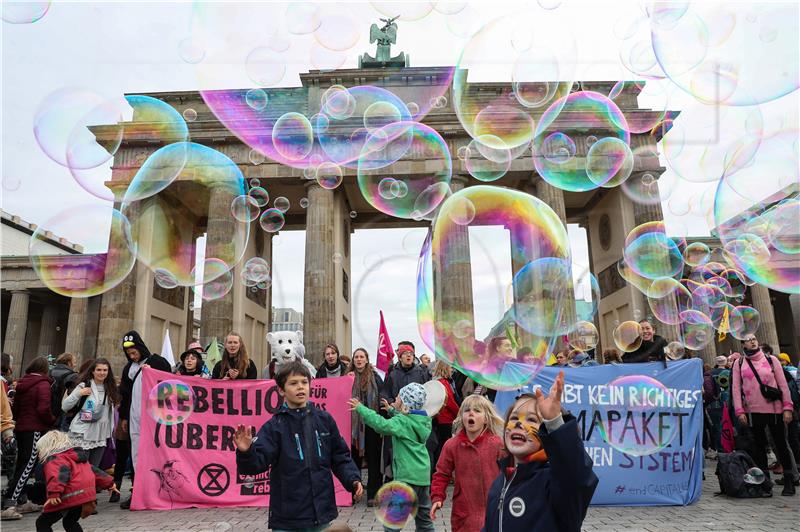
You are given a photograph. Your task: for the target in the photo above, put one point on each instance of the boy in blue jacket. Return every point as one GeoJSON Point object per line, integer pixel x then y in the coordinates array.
{"type": "Point", "coordinates": [547, 482]}
{"type": "Point", "coordinates": [303, 446]}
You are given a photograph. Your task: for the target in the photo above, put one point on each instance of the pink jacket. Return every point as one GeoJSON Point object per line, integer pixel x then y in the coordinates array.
{"type": "Point", "coordinates": [477, 469]}
{"type": "Point", "coordinates": [754, 402]}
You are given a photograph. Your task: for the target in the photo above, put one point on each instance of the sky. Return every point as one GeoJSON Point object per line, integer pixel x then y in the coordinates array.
{"type": "Point", "coordinates": [114, 48]}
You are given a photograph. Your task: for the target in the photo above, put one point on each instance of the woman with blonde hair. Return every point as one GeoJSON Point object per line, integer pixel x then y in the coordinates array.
{"type": "Point", "coordinates": [443, 425]}
{"type": "Point", "coordinates": [472, 455]}
{"type": "Point", "coordinates": [235, 363]}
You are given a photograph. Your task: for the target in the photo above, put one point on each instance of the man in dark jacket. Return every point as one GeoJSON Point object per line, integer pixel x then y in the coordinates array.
{"type": "Point", "coordinates": [303, 446]}
{"type": "Point", "coordinates": [406, 371]}
{"type": "Point", "coordinates": [652, 348]}
{"type": "Point", "coordinates": [130, 410]}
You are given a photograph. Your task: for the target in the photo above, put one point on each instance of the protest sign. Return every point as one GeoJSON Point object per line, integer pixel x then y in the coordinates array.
{"type": "Point", "coordinates": [641, 425]}
{"type": "Point", "coordinates": [187, 457]}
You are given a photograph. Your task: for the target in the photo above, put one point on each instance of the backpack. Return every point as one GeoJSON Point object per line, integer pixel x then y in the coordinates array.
{"type": "Point", "coordinates": [794, 389]}
{"type": "Point", "coordinates": [731, 468]}
{"type": "Point", "coordinates": [61, 386]}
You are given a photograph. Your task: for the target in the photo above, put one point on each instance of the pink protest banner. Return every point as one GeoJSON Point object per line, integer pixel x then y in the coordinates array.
{"type": "Point", "coordinates": [186, 453]}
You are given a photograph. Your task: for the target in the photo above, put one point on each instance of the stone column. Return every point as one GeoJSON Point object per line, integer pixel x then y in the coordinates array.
{"type": "Point", "coordinates": [47, 331]}
{"type": "Point", "coordinates": [767, 331]}
{"type": "Point", "coordinates": [454, 286]}
{"type": "Point", "coordinates": [76, 328]}
{"type": "Point", "coordinates": [16, 327]}
{"type": "Point", "coordinates": [643, 213]}
{"type": "Point", "coordinates": [554, 198]}
{"type": "Point", "coordinates": [319, 297]}
{"type": "Point", "coordinates": [709, 352]}
{"type": "Point", "coordinates": [217, 314]}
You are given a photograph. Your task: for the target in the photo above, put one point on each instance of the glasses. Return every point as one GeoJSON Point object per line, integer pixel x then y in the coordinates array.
{"type": "Point", "coordinates": [751, 339]}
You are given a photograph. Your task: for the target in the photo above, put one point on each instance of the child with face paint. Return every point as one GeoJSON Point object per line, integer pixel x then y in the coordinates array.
{"type": "Point", "coordinates": [547, 481]}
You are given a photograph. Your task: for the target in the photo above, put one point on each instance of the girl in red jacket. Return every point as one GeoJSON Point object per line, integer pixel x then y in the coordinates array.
{"type": "Point", "coordinates": [71, 483]}
{"type": "Point", "coordinates": [471, 454]}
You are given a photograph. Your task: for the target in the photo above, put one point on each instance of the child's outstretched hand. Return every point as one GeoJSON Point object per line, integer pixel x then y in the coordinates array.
{"type": "Point", "coordinates": [385, 404]}
{"type": "Point", "coordinates": [353, 403]}
{"type": "Point", "coordinates": [434, 508]}
{"type": "Point", "coordinates": [549, 405]}
{"type": "Point", "coordinates": [359, 490]}
{"type": "Point", "coordinates": [53, 501]}
{"type": "Point", "coordinates": [243, 438]}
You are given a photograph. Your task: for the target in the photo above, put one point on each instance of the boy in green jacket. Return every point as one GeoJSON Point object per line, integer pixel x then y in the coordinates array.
{"type": "Point", "coordinates": [409, 427]}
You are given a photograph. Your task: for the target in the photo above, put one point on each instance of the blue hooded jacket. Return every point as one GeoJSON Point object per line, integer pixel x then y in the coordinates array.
{"type": "Point", "coordinates": [544, 496]}
{"type": "Point", "coordinates": [303, 446]}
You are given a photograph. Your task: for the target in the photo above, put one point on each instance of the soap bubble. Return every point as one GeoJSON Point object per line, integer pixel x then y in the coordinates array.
{"type": "Point", "coordinates": [395, 504]}
{"type": "Point", "coordinates": [256, 270]}
{"type": "Point", "coordinates": [257, 99]}
{"type": "Point", "coordinates": [272, 220]}
{"type": "Point", "coordinates": [190, 115]}
{"type": "Point", "coordinates": [282, 203]}
{"type": "Point", "coordinates": [696, 254]}
{"type": "Point", "coordinates": [104, 234]}
{"type": "Point", "coordinates": [220, 285]}
{"type": "Point", "coordinates": [754, 476]}
{"type": "Point", "coordinates": [170, 402]}
{"type": "Point", "coordinates": [265, 67]}
{"type": "Point", "coordinates": [628, 424]}
{"type": "Point", "coordinates": [628, 336]}
{"type": "Point", "coordinates": [260, 196]}
{"type": "Point", "coordinates": [487, 163]}
{"type": "Point", "coordinates": [329, 175]}
{"type": "Point", "coordinates": [292, 136]}
{"type": "Point", "coordinates": [697, 331]}
{"type": "Point", "coordinates": [584, 337]}
{"type": "Point", "coordinates": [26, 12]}
{"type": "Point", "coordinates": [675, 351]}
{"type": "Point", "coordinates": [245, 208]}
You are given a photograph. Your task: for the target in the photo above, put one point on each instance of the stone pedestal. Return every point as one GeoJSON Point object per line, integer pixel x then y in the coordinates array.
{"type": "Point", "coordinates": [76, 326]}
{"type": "Point", "coordinates": [767, 332]}
{"type": "Point", "coordinates": [16, 327]}
{"type": "Point", "coordinates": [319, 319]}
{"type": "Point", "coordinates": [217, 315]}
{"type": "Point", "coordinates": [47, 331]}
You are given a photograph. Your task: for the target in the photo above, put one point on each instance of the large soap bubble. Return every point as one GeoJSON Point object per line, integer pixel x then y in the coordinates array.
{"type": "Point", "coordinates": [163, 225]}
{"type": "Point", "coordinates": [108, 250]}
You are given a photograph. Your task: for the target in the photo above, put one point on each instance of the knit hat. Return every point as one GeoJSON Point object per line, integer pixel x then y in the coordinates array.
{"type": "Point", "coordinates": [785, 358]}
{"type": "Point", "coordinates": [413, 395]}
{"type": "Point", "coordinates": [721, 360]}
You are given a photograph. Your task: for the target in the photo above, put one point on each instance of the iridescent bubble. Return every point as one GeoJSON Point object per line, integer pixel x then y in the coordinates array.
{"type": "Point", "coordinates": [337, 32]}
{"type": "Point", "coordinates": [260, 195]}
{"type": "Point", "coordinates": [590, 140]}
{"type": "Point", "coordinates": [558, 148]}
{"type": "Point", "coordinates": [164, 279]}
{"type": "Point", "coordinates": [591, 110]}
{"type": "Point", "coordinates": [675, 351]}
{"type": "Point", "coordinates": [190, 115]}
{"type": "Point", "coordinates": [538, 232]}
{"type": "Point", "coordinates": [548, 4]}
{"type": "Point", "coordinates": [667, 298]}
{"type": "Point", "coordinates": [628, 336]}
{"type": "Point", "coordinates": [509, 114]}
{"type": "Point", "coordinates": [584, 336]}
{"type": "Point", "coordinates": [265, 67]}
{"type": "Point", "coordinates": [696, 254]}
{"type": "Point", "coordinates": [395, 504]}
{"type": "Point", "coordinates": [654, 255]}
{"type": "Point", "coordinates": [380, 114]}
{"type": "Point", "coordinates": [255, 183]}
{"type": "Point", "coordinates": [484, 162]}
{"type": "Point", "coordinates": [697, 331]}
{"type": "Point", "coordinates": [245, 208]}
{"type": "Point", "coordinates": [304, 203]}
{"type": "Point", "coordinates": [462, 212]}
{"type": "Point", "coordinates": [425, 191]}
{"type": "Point", "coordinates": [747, 322]}
{"type": "Point", "coordinates": [257, 99]}
{"type": "Point", "coordinates": [26, 12]}
{"type": "Point", "coordinates": [160, 226]}
{"type": "Point", "coordinates": [256, 270]}
{"type": "Point", "coordinates": [337, 258]}
{"type": "Point", "coordinates": [338, 103]}
{"type": "Point", "coordinates": [282, 203]}
{"type": "Point", "coordinates": [292, 136]}
{"type": "Point", "coordinates": [385, 189]}
{"type": "Point", "coordinates": [782, 229]}
{"type": "Point", "coordinates": [626, 415]}
{"type": "Point", "coordinates": [717, 60]}
{"type": "Point", "coordinates": [754, 476]}
{"type": "Point", "coordinates": [609, 162]}
{"type": "Point", "coordinates": [329, 175]}
{"type": "Point", "coordinates": [256, 157]}
{"type": "Point", "coordinates": [218, 287]}
{"type": "Point", "coordinates": [353, 214]}
{"type": "Point", "coordinates": [98, 230]}
{"type": "Point", "coordinates": [400, 188]}
{"type": "Point", "coordinates": [170, 402]}
{"type": "Point", "coordinates": [272, 220]}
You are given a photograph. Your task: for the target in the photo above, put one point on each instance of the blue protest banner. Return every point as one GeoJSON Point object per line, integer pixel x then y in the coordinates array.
{"type": "Point", "coordinates": [641, 424]}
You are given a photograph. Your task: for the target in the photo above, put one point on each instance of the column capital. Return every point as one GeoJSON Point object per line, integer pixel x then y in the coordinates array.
{"type": "Point", "coordinates": [20, 291]}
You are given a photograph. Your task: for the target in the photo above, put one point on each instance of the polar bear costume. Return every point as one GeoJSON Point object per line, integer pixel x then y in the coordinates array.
{"type": "Point", "coordinates": [285, 347]}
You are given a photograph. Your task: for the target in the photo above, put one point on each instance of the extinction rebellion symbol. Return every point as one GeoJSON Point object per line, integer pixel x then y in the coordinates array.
{"type": "Point", "coordinates": [213, 480]}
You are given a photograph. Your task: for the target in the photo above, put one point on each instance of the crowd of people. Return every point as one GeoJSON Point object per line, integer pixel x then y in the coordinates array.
{"type": "Point", "coordinates": [89, 421]}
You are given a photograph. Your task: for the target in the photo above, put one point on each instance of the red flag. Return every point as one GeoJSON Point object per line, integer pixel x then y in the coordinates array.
{"type": "Point", "coordinates": [385, 350]}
